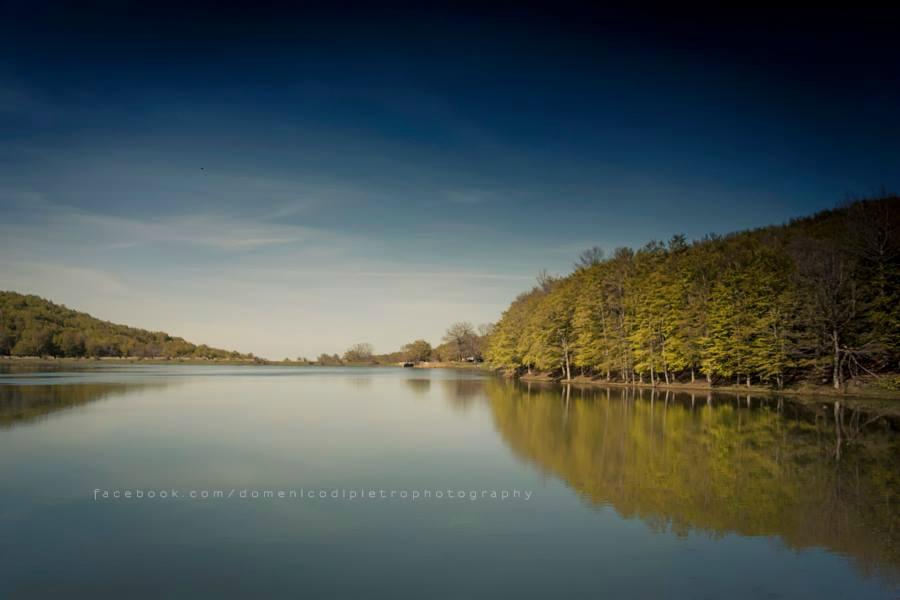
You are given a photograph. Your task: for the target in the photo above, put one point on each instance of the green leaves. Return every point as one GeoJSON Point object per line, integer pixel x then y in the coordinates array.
{"type": "Point", "coordinates": [32, 326]}
{"type": "Point", "coordinates": [767, 305]}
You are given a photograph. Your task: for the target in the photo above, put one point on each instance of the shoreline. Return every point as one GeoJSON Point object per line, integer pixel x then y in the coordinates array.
{"type": "Point", "coordinates": [34, 360]}
{"type": "Point", "coordinates": [806, 391]}
{"type": "Point", "coordinates": [251, 362]}
{"type": "Point", "coordinates": [451, 365]}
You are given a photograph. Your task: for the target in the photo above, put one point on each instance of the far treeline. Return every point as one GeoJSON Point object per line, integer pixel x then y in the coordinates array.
{"type": "Point", "coordinates": [462, 342]}
{"type": "Point", "coordinates": [32, 326]}
{"type": "Point", "coordinates": [816, 300]}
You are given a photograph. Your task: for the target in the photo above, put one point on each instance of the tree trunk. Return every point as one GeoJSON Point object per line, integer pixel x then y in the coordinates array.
{"type": "Point", "coordinates": [838, 429]}
{"type": "Point", "coordinates": [836, 374]}
{"type": "Point", "coordinates": [693, 376]}
{"type": "Point", "coordinates": [662, 353]}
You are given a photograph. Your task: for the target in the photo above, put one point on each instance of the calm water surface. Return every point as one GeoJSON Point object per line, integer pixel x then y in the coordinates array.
{"type": "Point", "coordinates": [631, 495]}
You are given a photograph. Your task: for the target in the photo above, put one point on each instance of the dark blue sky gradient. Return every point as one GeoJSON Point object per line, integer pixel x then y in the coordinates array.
{"type": "Point", "coordinates": [453, 139]}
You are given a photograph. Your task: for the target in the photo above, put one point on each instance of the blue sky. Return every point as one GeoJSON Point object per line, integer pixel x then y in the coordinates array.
{"type": "Point", "coordinates": [291, 182]}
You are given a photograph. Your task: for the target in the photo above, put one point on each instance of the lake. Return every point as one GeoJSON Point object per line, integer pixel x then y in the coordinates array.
{"type": "Point", "coordinates": [436, 484]}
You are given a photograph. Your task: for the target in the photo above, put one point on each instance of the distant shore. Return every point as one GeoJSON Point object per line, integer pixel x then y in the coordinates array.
{"type": "Point", "coordinates": [50, 360]}
{"type": "Point", "coordinates": [450, 365]}
{"type": "Point", "coordinates": [162, 360]}
{"type": "Point", "coordinates": [699, 386]}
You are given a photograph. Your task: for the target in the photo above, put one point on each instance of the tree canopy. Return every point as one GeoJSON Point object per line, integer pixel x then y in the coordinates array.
{"type": "Point", "coordinates": [32, 326]}
{"type": "Point", "coordinates": [362, 352]}
{"type": "Point", "coordinates": [818, 299]}
{"type": "Point", "coordinates": [417, 351]}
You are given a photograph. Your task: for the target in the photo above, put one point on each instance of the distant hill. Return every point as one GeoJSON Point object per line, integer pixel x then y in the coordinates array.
{"type": "Point", "coordinates": [33, 326]}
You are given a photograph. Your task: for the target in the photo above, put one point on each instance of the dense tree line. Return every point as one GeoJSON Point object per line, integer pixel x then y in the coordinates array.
{"type": "Point", "coordinates": [32, 326]}
{"type": "Point", "coordinates": [818, 298]}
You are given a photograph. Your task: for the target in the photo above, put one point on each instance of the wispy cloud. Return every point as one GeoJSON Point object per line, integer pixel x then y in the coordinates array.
{"type": "Point", "coordinates": [29, 276]}
{"type": "Point", "coordinates": [298, 288]}
{"type": "Point", "coordinates": [346, 274]}
{"type": "Point", "coordinates": [222, 232]}
{"type": "Point", "coordinates": [469, 197]}
{"type": "Point", "coordinates": [447, 275]}
{"type": "Point", "coordinates": [214, 231]}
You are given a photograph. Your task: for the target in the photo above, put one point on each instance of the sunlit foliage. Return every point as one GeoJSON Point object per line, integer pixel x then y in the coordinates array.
{"type": "Point", "coordinates": [32, 326]}
{"type": "Point", "coordinates": [818, 298]}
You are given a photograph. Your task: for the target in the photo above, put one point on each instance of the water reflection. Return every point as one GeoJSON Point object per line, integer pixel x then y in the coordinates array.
{"type": "Point", "coordinates": [713, 464]}
{"type": "Point", "coordinates": [25, 403]}
{"type": "Point", "coordinates": [420, 387]}
{"type": "Point", "coordinates": [463, 393]}
{"type": "Point", "coordinates": [718, 464]}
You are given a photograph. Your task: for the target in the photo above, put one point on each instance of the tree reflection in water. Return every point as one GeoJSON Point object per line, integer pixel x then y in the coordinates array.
{"type": "Point", "coordinates": [25, 403]}
{"type": "Point", "coordinates": [714, 463]}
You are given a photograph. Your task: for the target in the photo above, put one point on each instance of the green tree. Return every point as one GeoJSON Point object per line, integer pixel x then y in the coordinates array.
{"type": "Point", "coordinates": [30, 325]}
{"type": "Point", "coordinates": [36, 340]}
{"type": "Point", "coordinates": [417, 351]}
{"type": "Point", "coordinates": [70, 342]}
{"type": "Point", "coordinates": [505, 348]}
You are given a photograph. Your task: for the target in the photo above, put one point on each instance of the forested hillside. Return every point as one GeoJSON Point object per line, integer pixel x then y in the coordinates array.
{"type": "Point", "coordinates": [817, 299]}
{"type": "Point", "coordinates": [32, 326]}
